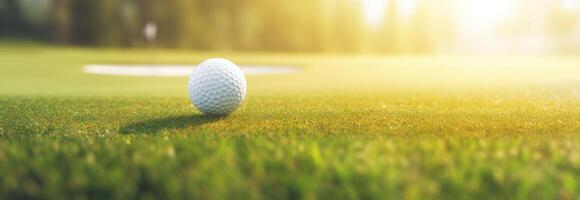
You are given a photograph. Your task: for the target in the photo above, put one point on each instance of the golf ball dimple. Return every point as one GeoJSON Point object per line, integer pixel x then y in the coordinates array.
{"type": "Point", "coordinates": [217, 87]}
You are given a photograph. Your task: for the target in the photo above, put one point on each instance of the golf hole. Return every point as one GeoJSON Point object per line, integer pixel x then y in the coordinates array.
{"type": "Point", "coordinates": [177, 70]}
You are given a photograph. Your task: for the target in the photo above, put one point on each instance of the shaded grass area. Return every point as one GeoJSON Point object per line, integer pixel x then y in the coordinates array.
{"type": "Point", "coordinates": [174, 122]}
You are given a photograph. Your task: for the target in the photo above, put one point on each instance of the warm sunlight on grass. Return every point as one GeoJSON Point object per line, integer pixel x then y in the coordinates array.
{"type": "Point", "coordinates": [346, 99]}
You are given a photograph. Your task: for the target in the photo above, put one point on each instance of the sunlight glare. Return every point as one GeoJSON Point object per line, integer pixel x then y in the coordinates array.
{"type": "Point", "coordinates": [373, 11]}
{"type": "Point", "coordinates": [570, 5]}
{"type": "Point", "coordinates": [407, 8]}
{"type": "Point", "coordinates": [478, 15]}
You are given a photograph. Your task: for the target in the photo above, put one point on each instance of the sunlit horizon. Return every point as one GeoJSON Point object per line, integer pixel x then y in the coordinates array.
{"type": "Point", "coordinates": [349, 26]}
{"type": "Point", "coordinates": [499, 26]}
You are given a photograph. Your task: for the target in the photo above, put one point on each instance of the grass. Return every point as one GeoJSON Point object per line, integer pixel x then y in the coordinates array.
{"type": "Point", "coordinates": [346, 127]}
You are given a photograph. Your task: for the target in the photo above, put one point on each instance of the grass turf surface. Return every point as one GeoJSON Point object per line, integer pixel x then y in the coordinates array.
{"type": "Point", "coordinates": [345, 127]}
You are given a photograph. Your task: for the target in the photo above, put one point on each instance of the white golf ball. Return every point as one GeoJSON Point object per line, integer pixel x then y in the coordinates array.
{"type": "Point", "coordinates": [217, 87]}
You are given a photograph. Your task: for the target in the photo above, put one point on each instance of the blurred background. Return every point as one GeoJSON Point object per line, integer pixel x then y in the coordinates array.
{"type": "Point", "coordinates": [346, 26]}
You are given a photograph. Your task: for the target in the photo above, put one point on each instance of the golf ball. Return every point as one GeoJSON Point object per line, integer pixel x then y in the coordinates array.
{"type": "Point", "coordinates": [217, 87]}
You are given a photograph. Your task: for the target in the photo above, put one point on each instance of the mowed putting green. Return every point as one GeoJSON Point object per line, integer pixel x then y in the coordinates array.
{"type": "Point", "coordinates": [344, 126]}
